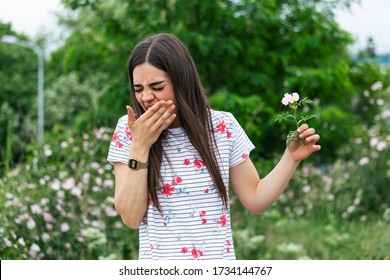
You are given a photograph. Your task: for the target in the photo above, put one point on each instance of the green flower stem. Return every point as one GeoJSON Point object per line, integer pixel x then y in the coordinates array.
{"type": "Point", "coordinates": [294, 134]}
{"type": "Point", "coordinates": [294, 117]}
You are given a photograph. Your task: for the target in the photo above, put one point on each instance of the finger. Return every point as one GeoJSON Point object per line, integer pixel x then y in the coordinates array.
{"type": "Point", "coordinates": [152, 110]}
{"type": "Point", "coordinates": [307, 133]}
{"type": "Point", "coordinates": [165, 119]}
{"type": "Point", "coordinates": [149, 114]}
{"type": "Point", "coordinates": [313, 139]}
{"type": "Point", "coordinates": [316, 148]}
{"type": "Point", "coordinates": [167, 123]}
{"type": "Point", "coordinates": [130, 115]}
{"type": "Point", "coordinates": [302, 128]}
{"type": "Point", "coordinates": [160, 112]}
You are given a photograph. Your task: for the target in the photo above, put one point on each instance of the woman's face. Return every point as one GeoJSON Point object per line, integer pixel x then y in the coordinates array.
{"type": "Point", "coordinates": [152, 85]}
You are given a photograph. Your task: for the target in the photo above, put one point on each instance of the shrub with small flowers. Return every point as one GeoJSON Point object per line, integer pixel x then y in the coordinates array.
{"type": "Point", "coordinates": [294, 102]}
{"type": "Point", "coordinates": [356, 186]}
{"type": "Point", "coordinates": [60, 205]}
{"type": "Point", "coordinates": [369, 153]}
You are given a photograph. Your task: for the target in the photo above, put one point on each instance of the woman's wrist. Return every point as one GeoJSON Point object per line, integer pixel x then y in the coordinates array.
{"type": "Point", "coordinates": [290, 158]}
{"type": "Point", "coordinates": [139, 152]}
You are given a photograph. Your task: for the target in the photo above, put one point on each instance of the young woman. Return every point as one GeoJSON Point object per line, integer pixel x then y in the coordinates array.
{"type": "Point", "coordinates": [174, 158]}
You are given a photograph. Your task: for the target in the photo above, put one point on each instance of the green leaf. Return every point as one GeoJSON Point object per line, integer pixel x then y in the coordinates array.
{"type": "Point", "coordinates": [306, 100]}
{"type": "Point", "coordinates": [305, 118]}
{"type": "Point", "coordinates": [282, 117]}
{"type": "Point", "coordinates": [308, 117]}
{"type": "Point", "coordinates": [293, 135]}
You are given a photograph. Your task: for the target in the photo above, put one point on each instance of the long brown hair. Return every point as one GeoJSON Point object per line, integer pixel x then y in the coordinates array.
{"type": "Point", "coordinates": [166, 52]}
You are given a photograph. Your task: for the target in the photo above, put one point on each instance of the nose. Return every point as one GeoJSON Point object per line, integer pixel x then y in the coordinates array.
{"type": "Point", "coordinates": [147, 96]}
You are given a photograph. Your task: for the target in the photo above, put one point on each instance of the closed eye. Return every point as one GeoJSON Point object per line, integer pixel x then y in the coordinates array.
{"type": "Point", "coordinates": [156, 86]}
{"type": "Point", "coordinates": [138, 90]}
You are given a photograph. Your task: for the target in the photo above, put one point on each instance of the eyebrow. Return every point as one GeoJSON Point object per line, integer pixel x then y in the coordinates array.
{"type": "Point", "coordinates": [151, 84]}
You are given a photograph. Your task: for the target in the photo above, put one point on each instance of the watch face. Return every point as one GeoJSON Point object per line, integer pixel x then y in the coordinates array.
{"type": "Point", "coordinates": [133, 164]}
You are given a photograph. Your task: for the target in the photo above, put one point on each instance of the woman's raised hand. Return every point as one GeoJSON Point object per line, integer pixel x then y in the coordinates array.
{"type": "Point", "coordinates": [300, 151]}
{"type": "Point", "coordinates": [147, 128]}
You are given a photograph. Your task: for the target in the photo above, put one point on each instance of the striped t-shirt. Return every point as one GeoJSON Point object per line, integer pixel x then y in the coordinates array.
{"type": "Point", "coordinates": [194, 224]}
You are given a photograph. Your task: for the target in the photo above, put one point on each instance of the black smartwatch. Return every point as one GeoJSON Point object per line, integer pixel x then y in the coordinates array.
{"type": "Point", "coordinates": [135, 164]}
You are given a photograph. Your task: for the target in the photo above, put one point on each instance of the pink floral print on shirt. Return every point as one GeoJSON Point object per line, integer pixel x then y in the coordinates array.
{"type": "Point", "coordinates": [202, 215]}
{"type": "Point", "coordinates": [221, 127]}
{"type": "Point", "coordinates": [128, 132]}
{"type": "Point", "coordinates": [167, 189]}
{"type": "Point", "coordinates": [184, 250]}
{"type": "Point", "coordinates": [223, 220]}
{"type": "Point", "coordinates": [177, 180]}
{"type": "Point", "coordinates": [196, 253]}
{"type": "Point", "coordinates": [199, 163]}
{"type": "Point", "coordinates": [115, 138]}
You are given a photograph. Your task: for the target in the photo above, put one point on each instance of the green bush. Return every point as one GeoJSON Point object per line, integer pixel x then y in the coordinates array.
{"type": "Point", "coordinates": [60, 204]}
{"type": "Point", "coordinates": [18, 95]}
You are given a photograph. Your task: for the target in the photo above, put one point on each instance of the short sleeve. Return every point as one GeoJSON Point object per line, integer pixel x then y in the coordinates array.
{"type": "Point", "coordinates": [120, 142]}
{"type": "Point", "coordinates": [241, 144]}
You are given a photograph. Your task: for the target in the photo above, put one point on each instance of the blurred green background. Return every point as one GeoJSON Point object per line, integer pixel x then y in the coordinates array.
{"type": "Point", "coordinates": [56, 197]}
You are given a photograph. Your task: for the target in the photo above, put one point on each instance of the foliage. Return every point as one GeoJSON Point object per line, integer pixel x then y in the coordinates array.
{"type": "Point", "coordinates": [261, 47]}
{"type": "Point", "coordinates": [68, 100]}
{"type": "Point", "coordinates": [18, 91]}
{"type": "Point", "coordinates": [244, 48]}
{"type": "Point", "coordinates": [282, 237]}
{"type": "Point", "coordinates": [369, 153]}
{"type": "Point", "coordinates": [60, 204]}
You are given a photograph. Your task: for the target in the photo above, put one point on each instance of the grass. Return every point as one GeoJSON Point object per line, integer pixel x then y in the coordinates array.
{"type": "Point", "coordinates": [279, 238]}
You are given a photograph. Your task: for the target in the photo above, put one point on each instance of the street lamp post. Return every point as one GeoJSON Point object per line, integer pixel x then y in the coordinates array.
{"type": "Point", "coordinates": [38, 50]}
